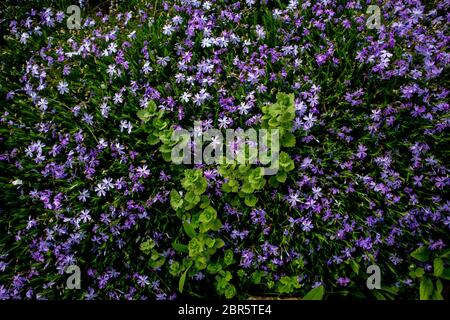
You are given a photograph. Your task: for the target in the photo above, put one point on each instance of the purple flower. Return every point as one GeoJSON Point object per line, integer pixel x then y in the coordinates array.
{"type": "Point", "coordinates": [343, 282]}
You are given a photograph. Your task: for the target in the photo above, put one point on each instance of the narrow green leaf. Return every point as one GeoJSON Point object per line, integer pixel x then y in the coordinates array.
{"type": "Point", "coordinates": [189, 230]}
{"type": "Point", "coordinates": [315, 294]}
{"type": "Point", "coordinates": [182, 281]}
{"type": "Point", "coordinates": [426, 288]}
{"type": "Point", "coordinates": [180, 247]}
{"type": "Point", "coordinates": [420, 254]}
{"type": "Point", "coordinates": [378, 295]}
{"type": "Point", "coordinates": [438, 267]}
{"type": "Point", "coordinates": [446, 274]}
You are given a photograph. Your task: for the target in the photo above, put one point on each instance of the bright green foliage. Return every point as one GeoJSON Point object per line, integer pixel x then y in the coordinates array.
{"type": "Point", "coordinates": [194, 181]}
{"type": "Point", "coordinates": [280, 114]}
{"type": "Point", "coordinates": [156, 259]}
{"type": "Point", "coordinates": [315, 294]}
{"type": "Point", "coordinates": [245, 180]}
{"type": "Point", "coordinates": [223, 285]}
{"type": "Point", "coordinates": [427, 289]}
{"type": "Point", "coordinates": [288, 284]}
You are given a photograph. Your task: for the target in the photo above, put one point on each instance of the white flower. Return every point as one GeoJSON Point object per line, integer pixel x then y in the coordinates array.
{"type": "Point", "coordinates": [143, 171]}
{"type": "Point", "coordinates": [317, 192]}
{"type": "Point", "coordinates": [17, 182]}
{"type": "Point", "coordinates": [112, 48]}
{"type": "Point", "coordinates": [216, 141]}
{"type": "Point", "coordinates": [261, 34]}
{"type": "Point", "coordinates": [146, 69]}
{"type": "Point", "coordinates": [100, 189]}
{"type": "Point", "coordinates": [307, 225]}
{"type": "Point", "coordinates": [124, 124]}
{"type": "Point", "coordinates": [84, 216]}
{"type": "Point", "coordinates": [185, 97]}
{"type": "Point", "coordinates": [104, 110]}
{"type": "Point", "coordinates": [206, 42]}
{"type": "Point", "coordinates": [102, 143]}
{"type": "Point", "coordinates": [24, 38]}
{"type": "Point", "coordinates": [300, 107]}
{"type": "Point", "coordinates": [293, 199]}
{"type": "Point", "coordinates": [224, 122]}
{"type": "Point", "coordinates": [244, 108]}
{"type": "Point", "coordinates": [168, 29]}
{"type": "Point", "coordinates": [207, 5]}
{"type": "Point", "coordinates": [63, 87]}
{"type": "Point", "coordinates": [111, 70]}
{"type": "Point", "coordinates": [107, 183]}
{"type": "Point", "coordinates": [43, 104]}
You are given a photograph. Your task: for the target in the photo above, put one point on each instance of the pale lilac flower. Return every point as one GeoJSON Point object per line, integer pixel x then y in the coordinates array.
{"type": "Point", "coordinates": [63, 87]}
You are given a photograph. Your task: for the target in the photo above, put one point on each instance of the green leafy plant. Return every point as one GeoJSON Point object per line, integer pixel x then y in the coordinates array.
{"type": "Point", "coordinates": [156, 259]}
{"type": "Point", "coordinates": [288, 284]}
{"type": "Point", "coordinates": [430, 284]}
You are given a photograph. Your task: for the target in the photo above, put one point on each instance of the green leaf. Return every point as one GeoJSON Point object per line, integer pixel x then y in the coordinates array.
{"type": "Point", "coordinates": [180, 247]}
{"type": "Point", "coordinates": [175, 200]}
{"type": "Point", "coordinates": [196, 246]}
{"type": "Point", "coordinates": [214, 268]}
{"type": "Point", "coordinates": [378, 295]}
{"type": "Point", "coordinates": [287, 284]}
{"type": "Point", "coordinates": [204, 202]}
{"type": "Point", "coordinates": [446, 274]}
{"type": "Point", "coordinates": [216, 225]}
{"type": "Point", "coordinates": [273, 182]}
{"type": "Point", "coordinates": [426, 288]}
{"type": "Point", "coordinates": [315, 294]}
{"type": "Point", "coordinates": [228, 257]}
{"type": "Point", "coordinates": [355, 266]}
{"type": "Point", "coordinates": [250, 200]}
{"type": "Point", "coordinates": [175, 268]}
{"type": "Point", "coordinates": [143, 115]}
{"type": "Point", "coordinates": [230, 291]}
{"type": "Point", "coordinates": [256, 277]}
{"type": "Point", "coordinates": [288, 140]}
{"type": "Point", "coordinates": [208, 215]}
{"type": "Point", "coordinates": [147, 246]}
{"type": "Point", "coordinates": [438, 267]}
{"type": "Point", "coordinates": [436, 296]}
{"type": "Point", "coordinates": [192, 198]}
{"type": "Point", "coordinates": [157, 263]}
{"type": "Point", "coordinates": [151, 106]}
{"type": "Point", "coordinates": [166, 156]}
{"type": "Point", "coordinates": [210, 242]}
{"type": "Point", "coordinates": [182, 281]}
{"type": "Point", "coordinates": [243, 168]}
{"type": "Point", "coordinates": [445, 254]}
{"type": "Point", "coordinates": [418, 273]}
{"type": "Point", "coordinates": [281, 177]}
{"type": "Point", "coordinates": [247, 188]}
{"type": "Point", "coordinates": [201, 263]}
{"type": "Point", "coordinates": [219, 244]}
{"type": "Point", "coordinates": [152, 139]}
{"type": "Point", "coordinates": [439, 286]}
{"type": "Point", "coordinates": [189, 230]}
{"type": "Point", "coordinates": [420, 254]}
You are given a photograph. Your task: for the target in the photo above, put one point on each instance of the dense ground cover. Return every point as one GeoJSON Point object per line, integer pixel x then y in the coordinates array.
{"type": "Point", "coordinates": [86, 120]}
